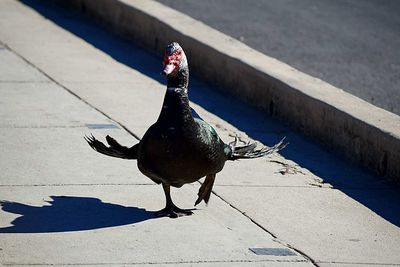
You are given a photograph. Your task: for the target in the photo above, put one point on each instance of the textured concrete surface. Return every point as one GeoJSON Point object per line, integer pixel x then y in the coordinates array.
{"type": "Point", "coordinates": [352, 44]}
{"type": "Point", "coordinates": [366, 134]}
{"type": "Point", "coordinates": [63, 204]}
{"type": "Point", "coordinates": [115, 225]}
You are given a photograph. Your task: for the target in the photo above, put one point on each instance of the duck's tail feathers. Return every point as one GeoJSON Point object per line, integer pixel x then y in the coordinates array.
{"type": "Point", "coordinates": [114, 149]}
{"type": "Point", "coordinates": [249, 151]}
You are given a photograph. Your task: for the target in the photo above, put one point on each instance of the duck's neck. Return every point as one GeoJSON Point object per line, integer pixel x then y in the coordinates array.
{"type": "Point", "coordinates": [176, 109]}
{"type": "Point", "coordinates": [180, 80]}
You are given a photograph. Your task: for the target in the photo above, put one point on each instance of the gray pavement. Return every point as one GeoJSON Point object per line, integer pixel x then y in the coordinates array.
{"type": "Point", "coordinates": [352, 44]}
{"type": "Point", "coordinates": [63, 204]}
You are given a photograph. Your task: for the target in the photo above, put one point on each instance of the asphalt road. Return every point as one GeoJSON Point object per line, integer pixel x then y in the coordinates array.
{"type": "Point", "coordinates": [352, 44]}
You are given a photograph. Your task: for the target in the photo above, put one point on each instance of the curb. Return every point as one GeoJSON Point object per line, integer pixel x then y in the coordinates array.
{"type": "Point", "coordinates": [361, 131]}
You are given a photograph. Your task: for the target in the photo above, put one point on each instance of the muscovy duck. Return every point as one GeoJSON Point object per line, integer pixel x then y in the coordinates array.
{"type": "Point", "coordinates": [179, 148]}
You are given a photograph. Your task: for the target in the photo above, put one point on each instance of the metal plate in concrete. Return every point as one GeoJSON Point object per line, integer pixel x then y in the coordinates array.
{"type": "Point", "coordinates": [101, 126]}
{"type": "Point", "coordinates": [273, 251]}
{"type": "Point", "coordinates": [137, 108]}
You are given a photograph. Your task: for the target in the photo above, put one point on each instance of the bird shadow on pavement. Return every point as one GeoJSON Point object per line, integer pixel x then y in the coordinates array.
{"type": "Point", "coordinates": [71, 213]}
{"type": "Point", "coordinates": [370, 190]}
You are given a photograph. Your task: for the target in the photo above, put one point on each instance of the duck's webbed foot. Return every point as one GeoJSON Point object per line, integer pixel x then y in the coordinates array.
{"type": "Point", "coordinates": [173, 211]}
{"type": "Point", "coordinates": [170, 209]}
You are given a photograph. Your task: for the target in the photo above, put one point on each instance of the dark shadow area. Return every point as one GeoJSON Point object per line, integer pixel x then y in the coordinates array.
{"type": "Point", "coordinates": [68, 213]}
{"type": "Point", "coordinates": [362, 186]}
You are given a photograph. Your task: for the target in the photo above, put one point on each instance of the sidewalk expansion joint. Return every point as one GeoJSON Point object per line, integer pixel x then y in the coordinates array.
{"type": "Point", "coordinates": [24, 82]}
{"type": "Point", "coordinates": [70, 91]}
{"type": "Point", "coordinates": [99, 184]}
{"type": "Point", "coordinates": [40, 126]}
{"type": "Point", "coordinates": [150, 263]}
{"type": "Point", "coordinates": [271, 186]}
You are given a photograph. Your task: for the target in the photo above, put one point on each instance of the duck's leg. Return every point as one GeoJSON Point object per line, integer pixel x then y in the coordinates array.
{"type": "Point", "coordinates": [205, 189]}
{"type": "Point", "coordinates": [170, 209]}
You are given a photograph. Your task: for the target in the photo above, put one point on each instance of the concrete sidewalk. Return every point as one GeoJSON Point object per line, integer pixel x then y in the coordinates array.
{"type": "Point", "coordinates": [62, 77]}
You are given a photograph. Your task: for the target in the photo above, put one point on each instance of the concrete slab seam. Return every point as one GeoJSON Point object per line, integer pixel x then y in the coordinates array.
{"type": "Point", "coordinates": [41, 126]}
{"type": "Point", "coordinates": [57, 185]}
{"type": "Point", "coordinates": [22, 82]}
{"type": "Point", "coordinates": [150, 263]}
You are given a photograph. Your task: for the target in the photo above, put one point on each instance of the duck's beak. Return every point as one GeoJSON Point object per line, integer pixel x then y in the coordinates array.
{"type": "Point", "coordinates": [168, 69]}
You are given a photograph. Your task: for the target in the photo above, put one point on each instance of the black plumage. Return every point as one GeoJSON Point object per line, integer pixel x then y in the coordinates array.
{"type": "Point", "coordinates": [180, 148]}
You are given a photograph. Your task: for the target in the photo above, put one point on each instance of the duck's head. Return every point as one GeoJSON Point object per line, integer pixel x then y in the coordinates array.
{"type": "Point", "coordinates": [174, 60]}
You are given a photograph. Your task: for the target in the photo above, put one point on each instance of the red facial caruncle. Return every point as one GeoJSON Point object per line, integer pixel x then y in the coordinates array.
{"type": "Point", "coordinates": [172, 62]}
